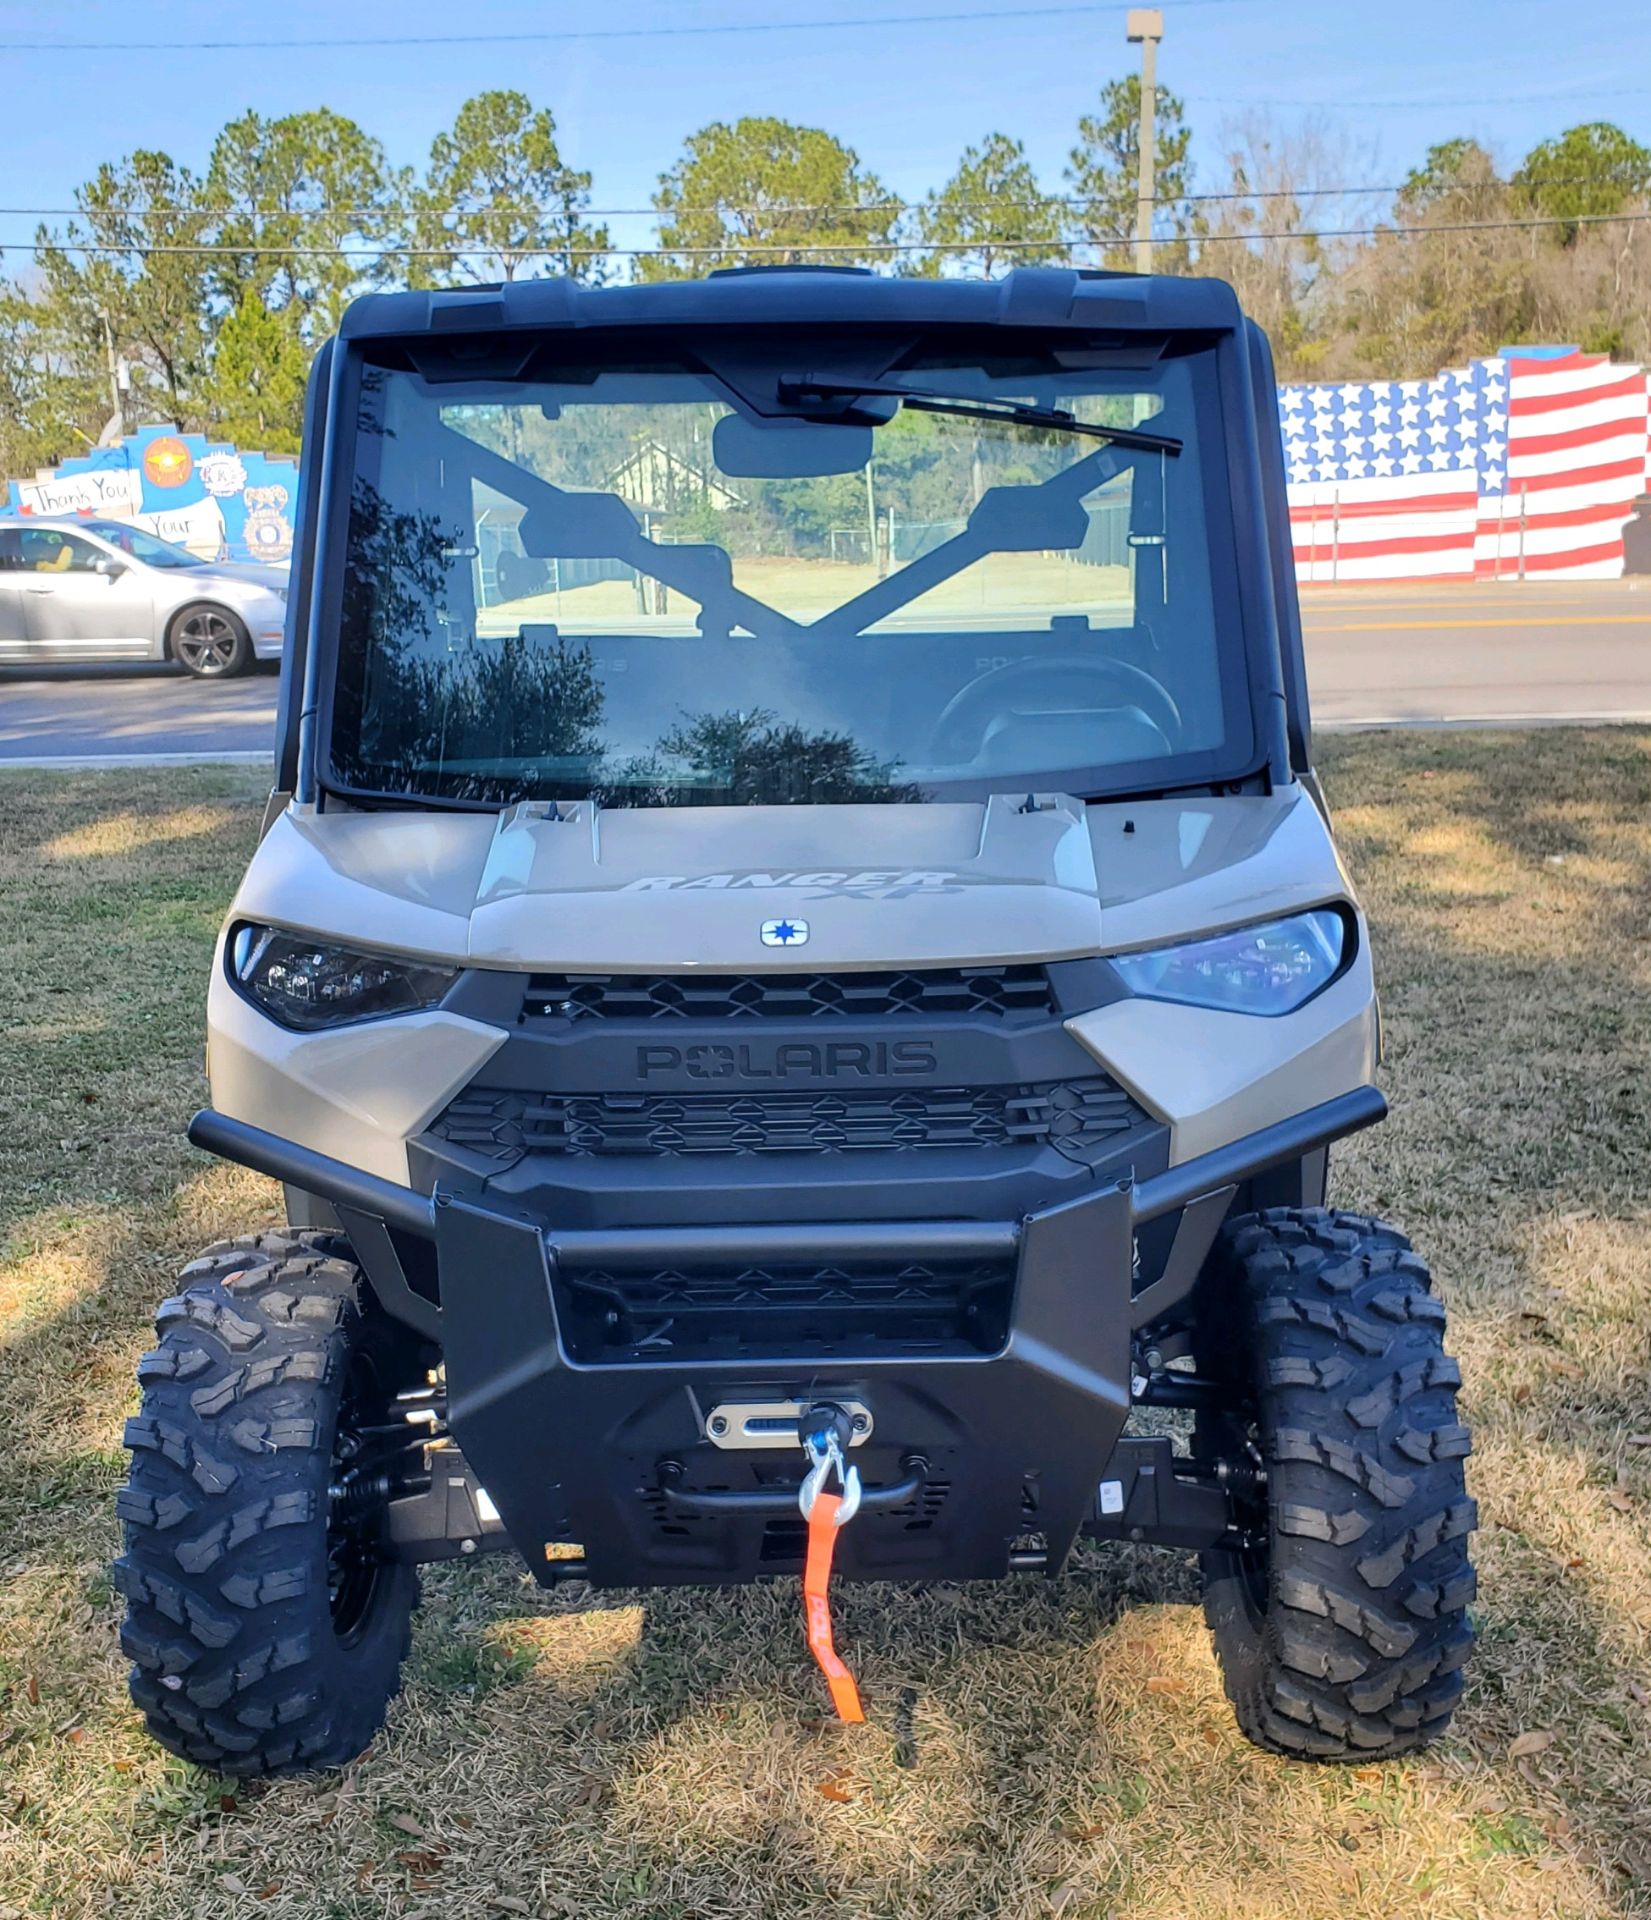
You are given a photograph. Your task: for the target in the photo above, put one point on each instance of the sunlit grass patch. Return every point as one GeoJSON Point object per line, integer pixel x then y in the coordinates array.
{"type": "Point", "coordinates": [131, 831]}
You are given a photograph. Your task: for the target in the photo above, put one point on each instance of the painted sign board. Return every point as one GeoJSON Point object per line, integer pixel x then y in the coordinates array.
{"type": "Point", "coordinates": [219, 501]}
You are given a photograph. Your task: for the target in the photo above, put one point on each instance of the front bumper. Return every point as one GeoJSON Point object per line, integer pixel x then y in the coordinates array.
{"type": "Point", "coordinates": [982, 1456]}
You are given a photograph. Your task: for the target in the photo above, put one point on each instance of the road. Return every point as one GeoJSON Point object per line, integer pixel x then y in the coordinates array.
{"type": "Point", "coordinates": [1460, 654]}
{"type": "Point", "coordinates": [1445, 655]}
{"type": "Point", "coordinates": [133, 712]}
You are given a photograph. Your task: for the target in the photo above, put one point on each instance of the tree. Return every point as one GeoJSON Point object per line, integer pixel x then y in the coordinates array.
{"type": "Point", "coordinates": [1261, 233]}
{"type": "Point", "coordinates": [1589, 171]}
{"type": "Point", "coordinates": [990, 213]}
{"type": "Point", "coordinates": [299, 201]}
{"type": "Point", "coordinates": [751, 757]}
{"type": "Point", "coordinates": [259, 370]}
{"type": "Point", "coordinates": [498, 194]}
{"type": "Point", "coordinates": [766, 192]}
{"type": "Point", "coordinates": [49, 405]}
{"type": "Point", "coordinates": [1446, 281]}
{"type": "Point", "coordinates": [121, 280]}
{"type": "Point", "coordinates": [1470, 274]}
{"type": "Point", "coordinates": [1453, 173]}
{"type": "Point", "coordinates": [1104, 171]}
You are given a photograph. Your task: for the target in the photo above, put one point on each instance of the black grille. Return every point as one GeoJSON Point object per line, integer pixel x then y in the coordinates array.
{"type": "Point", "coordinates": [1080, 1118]}
{"type": "Point", "coordinates": [993, 993]}
{"type": "Point", "coordinates": [751, 1311]}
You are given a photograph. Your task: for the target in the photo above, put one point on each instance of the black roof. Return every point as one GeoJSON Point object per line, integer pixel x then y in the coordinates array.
{"type": "Point", "coordinates": [813, 295]}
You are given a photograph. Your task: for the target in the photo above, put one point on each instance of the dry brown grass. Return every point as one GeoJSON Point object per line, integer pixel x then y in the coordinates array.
{"type": "Point", "coordinates": [1033, 1750]}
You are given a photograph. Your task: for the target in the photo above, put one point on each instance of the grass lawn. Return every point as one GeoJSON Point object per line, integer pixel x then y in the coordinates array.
{"type": "Point", "coordinates": [1033, 1749]}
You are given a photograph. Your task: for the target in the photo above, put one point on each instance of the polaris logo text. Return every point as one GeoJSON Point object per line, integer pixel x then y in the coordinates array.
{"type": "Point", "coordinates": [792, 1060]}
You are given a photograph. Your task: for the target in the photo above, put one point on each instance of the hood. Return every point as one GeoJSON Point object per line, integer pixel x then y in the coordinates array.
{"type": "Point", "coordinates": [808, 888]}
{"type": "Point", "coordinates": [249, 573]}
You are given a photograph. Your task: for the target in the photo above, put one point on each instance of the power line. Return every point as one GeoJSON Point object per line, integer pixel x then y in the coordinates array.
{"type": "Point", "coordinates": [769, 209]}
{"type": "Point", "coordinates": [714, 209]}
{"type": "Point", "coordinates": [380, 45]}
{"type": "Point", "coordinates": [1444, 106]}
{"type": "Point", "coordinates": [853, 248]}
{"type": "Point", "coordinates": [1421, 230]}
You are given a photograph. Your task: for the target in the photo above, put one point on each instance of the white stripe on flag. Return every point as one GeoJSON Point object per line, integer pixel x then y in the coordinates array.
{"type": "Point", "coordinates": [1606, 495]}
{"type": "Point", "coordinates": [1596, 453]}
{"type": "Point", "coordinates": [1377, 528]}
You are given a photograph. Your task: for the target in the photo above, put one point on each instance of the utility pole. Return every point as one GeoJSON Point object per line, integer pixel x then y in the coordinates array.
{"type": "Point", "coordinates": [115, 427]}
{"type": "Point", "coordinates": [1146, 25]}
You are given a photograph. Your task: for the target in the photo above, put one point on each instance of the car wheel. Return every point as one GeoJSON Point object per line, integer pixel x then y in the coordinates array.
{"type": "Point", "coordinates": [210, 642]}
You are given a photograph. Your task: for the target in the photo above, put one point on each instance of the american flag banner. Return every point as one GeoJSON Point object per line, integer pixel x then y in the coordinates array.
{"type": "Point", "coordinates": [1526, 463]}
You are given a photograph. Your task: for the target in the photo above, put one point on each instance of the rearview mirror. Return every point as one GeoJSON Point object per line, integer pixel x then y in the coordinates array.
{"type": "Point", "coordinates": [787, 449]}
{"type": "Point", "coordinates": [108, 566]}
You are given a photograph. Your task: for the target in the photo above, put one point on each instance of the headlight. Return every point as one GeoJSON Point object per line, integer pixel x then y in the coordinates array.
{"type": "Point", "coordinates": [305, 984]}
{"type": "Point", "coordinates": [1270, 969]}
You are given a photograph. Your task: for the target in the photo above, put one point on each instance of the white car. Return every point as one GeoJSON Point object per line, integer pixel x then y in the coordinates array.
{"type": "Point", "coordinates": [74, 590]}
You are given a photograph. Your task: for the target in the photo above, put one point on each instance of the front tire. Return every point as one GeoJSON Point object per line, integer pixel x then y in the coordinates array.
{"type": "Point", "coordinates": [267, 1636]}
{"type": "Point", "coordinates": [212, 643]}
{"type": "Point", "coordinates": [1341, 1634]}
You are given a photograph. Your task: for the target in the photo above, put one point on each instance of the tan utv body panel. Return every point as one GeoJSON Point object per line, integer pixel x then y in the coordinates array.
{"type": "Point", "coordinates": [1218, 1076]}
{"type": "Point", "coordinates": [355, 1093]}
{"type": "Point", "coordinates": [577, 889]}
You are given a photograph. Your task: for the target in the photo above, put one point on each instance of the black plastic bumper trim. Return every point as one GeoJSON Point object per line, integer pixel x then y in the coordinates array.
{"type": "Point", "coordinates": [1255, 1152]}
{"type": "Point", "coordinates": [317, 1173]}
{"type": "Point", "coordinates": [409, 1212]}
{"type": "Point", "coordinates": [826, 1241]}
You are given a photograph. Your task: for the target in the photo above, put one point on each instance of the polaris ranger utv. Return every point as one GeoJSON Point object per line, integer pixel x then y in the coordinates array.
{"type": "Point", "coordinates": [797, 978]}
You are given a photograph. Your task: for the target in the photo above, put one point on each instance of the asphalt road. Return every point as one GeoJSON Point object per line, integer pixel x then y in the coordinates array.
{"type": "Point", "coordinates": [1460, 654]}
{"type": "Point", "coordinates": [133, 712]}
{"type": "Point", "coordinates": [1454, 655]}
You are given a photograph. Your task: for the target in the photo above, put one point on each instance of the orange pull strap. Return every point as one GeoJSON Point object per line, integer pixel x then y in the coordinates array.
{"type": "Point", "coordinates": [822, 1543]}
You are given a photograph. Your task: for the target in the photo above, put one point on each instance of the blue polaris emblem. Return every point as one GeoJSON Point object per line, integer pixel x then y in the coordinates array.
{"type": "Point", "coordinates": [785, 933]}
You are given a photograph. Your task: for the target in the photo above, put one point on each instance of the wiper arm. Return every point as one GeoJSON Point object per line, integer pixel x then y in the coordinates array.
{"type": "Point", "coordinates": [1018, 413]}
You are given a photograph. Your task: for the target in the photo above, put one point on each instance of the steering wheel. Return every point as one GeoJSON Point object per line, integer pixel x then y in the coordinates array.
{"type": "Point", "coordinates": [993, 692]}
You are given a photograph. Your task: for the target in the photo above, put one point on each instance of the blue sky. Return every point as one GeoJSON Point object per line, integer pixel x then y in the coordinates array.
{"type": "Point", "coordinates": [908, 95]}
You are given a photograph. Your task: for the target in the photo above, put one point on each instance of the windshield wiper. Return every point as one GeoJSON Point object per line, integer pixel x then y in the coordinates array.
{"type": "Point", "coordinates": [1018, 413]}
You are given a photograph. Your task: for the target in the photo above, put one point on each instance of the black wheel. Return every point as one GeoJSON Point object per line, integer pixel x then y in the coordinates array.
{"type": "Point", "coordinates": [210, 642]}
{"type": "Point", "coordinates": [1342, 1632]}
{"type": "Point", "coordinates": [268, 1635]}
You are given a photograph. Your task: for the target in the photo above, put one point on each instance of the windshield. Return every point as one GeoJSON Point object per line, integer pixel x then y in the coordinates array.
{"type": "Point", "coordinates": [662, 585]}
{"type": "Point", "coordinates": [145, 547]}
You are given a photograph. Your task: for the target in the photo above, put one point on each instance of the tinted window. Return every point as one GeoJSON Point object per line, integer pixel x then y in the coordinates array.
{"type": "Point", "coordinates": [48, 550]}
{"type": "Point", "coordinates": [145, 547]}
{"type": "Point", "coordinates": [634, 582]}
